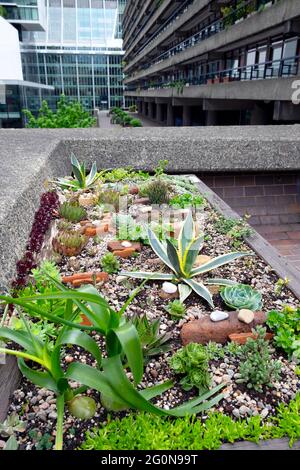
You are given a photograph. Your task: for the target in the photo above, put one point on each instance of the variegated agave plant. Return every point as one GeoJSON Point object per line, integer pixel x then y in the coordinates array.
{"type": "Point", "coordinates": [181, 261]}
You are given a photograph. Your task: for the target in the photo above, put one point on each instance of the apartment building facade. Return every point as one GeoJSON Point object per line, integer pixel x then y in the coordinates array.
{"type": "Point", "coordinates": [213, 62]}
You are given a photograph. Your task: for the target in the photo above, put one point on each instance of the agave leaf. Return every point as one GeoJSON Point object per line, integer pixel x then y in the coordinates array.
{"type": "Point", "coordinates": [78, 170]}
{"type": "Point", "coordinates": [192, 253]}
{"type": "Point", "coordinates": [91, 177]}
{"type": "Point", "coordinates": [186, 234]}
{"type": "Point", "coordinates": [201, 290]}
{"type": "Point", "coordinates": [219, 261]}
{"type": "Point", "coordinates": [159, 249]}
{"type": "Point", "coordinates": [184, 291]}
{"type": "Point", "coordinates": [148, 275]}
{"type": "Point", "coordinates": [174, 259]}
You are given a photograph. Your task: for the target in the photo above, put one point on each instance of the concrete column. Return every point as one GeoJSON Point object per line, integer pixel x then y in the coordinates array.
{"type": "Point", "coordinates": [259, 116]}
{"type": "Point", "coordinates": [211, 118]}
{"type": "Point", "coordinates": [140, 107]}
{"type": "Point", "coordinates": [170, 115]}
{"type": "Point", "coordinates": [144, 108]}
{"type": "Point", "coordinates": [159, 112]}
{"type": "Point", "coordinates": [151, 110]}
{"type": "Point", "coordinates": [187, 116]}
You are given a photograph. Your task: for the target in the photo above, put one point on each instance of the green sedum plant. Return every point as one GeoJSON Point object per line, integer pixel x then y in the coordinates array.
{"type": "Point", "coordinates": [181, 261]}
{"type": "Point", "coordinates": [183, 201]}
{"type": "Point", "coordinates": [158, 191]}
{"type": "Point", "coordinates": [72, 212]}
{"type": "Point", "coordinates": [81, 180]}
{"type": "Point", "coordinates": [242, 296]}
{"type": "Point", "coordinates": [143, 431]}
{"type": "Point", "coordinates": [257, 368]}
{"type": "Point", "coordinates": [192, 362]}
{"type": "Point", "coordinates": [286, 326]}
{"type": "Point", "coordinates": [110, 263]}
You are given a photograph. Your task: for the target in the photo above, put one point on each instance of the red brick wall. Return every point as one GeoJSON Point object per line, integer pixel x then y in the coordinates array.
{"type": "Point", "coordinates": [270, 198]}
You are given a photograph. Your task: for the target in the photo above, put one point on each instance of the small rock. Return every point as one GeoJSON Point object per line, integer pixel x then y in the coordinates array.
{"type": "Point", "coordinates": [244, 410]}
{"type": "Point", "coordinates": [2, 444]}
{"type": "Point", "coordinates": [69, 359]}
{"type": "Point", "coordinates": [52, 415]}
{"type": "Point", "coordinates": [264, 413]}
{"type": "Point", "coordinates": [126, 244]}
{"type": "Point", "coordinates": [44, 406]}
{"type": "Point", "coordinates": [169, 288]}
{"type": "Point", "coordinates": [218, 315]}
{"type": "Point", "coordinates": [246, 316]}
{"type": "Point", "coordinates": [121, 279]}
{"type": "Point", "coordinates": [236, 412]}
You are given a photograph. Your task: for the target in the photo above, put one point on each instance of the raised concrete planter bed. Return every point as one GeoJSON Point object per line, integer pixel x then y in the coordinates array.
{"type": "Point", "coordinates": [52, 155]}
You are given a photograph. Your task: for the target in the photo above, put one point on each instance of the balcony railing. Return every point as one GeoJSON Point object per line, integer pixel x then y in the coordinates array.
{"type": "Point", "coordinates": [283, 68]}
{"type": "Point", "coordinates": [236, 15]}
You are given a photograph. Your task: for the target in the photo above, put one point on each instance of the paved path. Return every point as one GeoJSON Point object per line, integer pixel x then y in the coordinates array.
{"type": "Point", "coordinates": [104, 120]}
{"type": "Point", "coordinates": [286, 238]}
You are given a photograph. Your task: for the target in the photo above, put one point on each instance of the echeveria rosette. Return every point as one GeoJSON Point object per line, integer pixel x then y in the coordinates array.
{"type": "Point", "coordinates": [242, 296]}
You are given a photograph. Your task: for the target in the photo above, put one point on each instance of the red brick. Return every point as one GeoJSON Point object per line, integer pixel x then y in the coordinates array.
{"type": "Point", "coordinates": [294, 235]}
{"type": "Point", "coordinates": [270, 219]}
{"type": "Point", "coordinates": [224, 181]}
{"type": "Point", "coordinates": [266, 201]}
{"type": "Point", "coordinates": [290, 218]}
{"type": "Point", "coordinates": [254, 191]}
{"type": "Point", "coordinates": [286, 199]}
{"type": "Point", "coordinates": [241, 202]}
{"type": "Point", "coordinates": [244, 180]}
{"type": "Point", "coordinates": [271, 190]}
{"type": "Point", "coordinates": [290, 189]}
{"type": "Point", "coordinates": [234, 192]}
{"type": "Point", "coordinates": [264, 179]}
{"type": "Point", "coordinates": [285, 179]}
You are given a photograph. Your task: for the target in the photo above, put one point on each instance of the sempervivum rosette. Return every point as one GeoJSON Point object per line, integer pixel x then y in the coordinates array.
{"type": "Point", "coordinates": [242, 296]}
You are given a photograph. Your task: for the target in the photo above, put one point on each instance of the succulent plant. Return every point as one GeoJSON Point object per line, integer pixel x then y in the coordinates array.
{"type": "Point", "coordinates": [182, 260]}
{"type": "Point", "coordinates": [80, 180]}
{"type": "Point", "coordinates": [152, 342]}
{"type": "Point", "coordinates": [110, 197]}
{"type": "Point", "coordinates": [110, 264]}
{"type": "Point", "coordinates": [11, 425]}
{"type": "Point", "coordinates": [242, 296]}
{"type": "Point", "coordinates": [69, 244]}
{"type": "Point", "coordinates": [72, 212]}
{"type": "Point", "coordinates": [158, 191]}
{"type": "Point", "coordinates": [176, 308]}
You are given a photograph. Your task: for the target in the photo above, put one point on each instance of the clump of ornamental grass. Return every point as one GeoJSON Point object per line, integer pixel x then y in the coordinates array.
{"type": "Point", "coordinates": [158, 191]}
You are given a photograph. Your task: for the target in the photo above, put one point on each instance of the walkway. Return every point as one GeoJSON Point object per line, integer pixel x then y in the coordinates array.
{"type": "Point", "coordinates": [286, 238]}
{"type": "Point", "coordinates": [104, 120]}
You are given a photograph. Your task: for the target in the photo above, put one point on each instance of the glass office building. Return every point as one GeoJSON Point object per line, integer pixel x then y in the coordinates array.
{"type": "Point", "coordinates": [79, 53]}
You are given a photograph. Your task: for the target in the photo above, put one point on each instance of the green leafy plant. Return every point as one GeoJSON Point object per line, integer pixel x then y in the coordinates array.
{"type": "Point", "coordinates": [257, 368]}
{"type": "Point", "coordinates": [161, 168]}
{"type": "Point", "coordinates": [109, 377]}
{"type": "Point", "coordinates": [80, 180]}
{"type": "Point", "coordinates": [153, 343]}
{"type": "Point", "coordinates": [11, 425]}
{"type": "Point", "coordinates": [41, 441]}
{"type": "Point", "coordinates": [72, 212]}
{"type": "Point", "coordinates": [280, 285]}
{"type": "Point", "coordinates": [176, 308]}
{"type": "Point", "coordinates": [42, 273]}
{"type": "Point", "coordinates": [135, 123]}
{"type": "Point", "coordinates": [186, 200]}
{"type": "Point", "coordinates": [286, 327]}
{"type": "Point", "coordinates": [215, 350]}
{"type": "Point", "coordinates": [143, 431]}
{"type": "Point", "coordinates": [128, 229]}
{"type": "Point", "coordinates": [242, 296]}
{"type": "Point", "coordinates": [69, 114]}
{"type": "Point", "coordinates": [158, 191]}
{"type": "Point", "coordinates": [110, 198]}
{"type": "Point", "coordinates": [110, 263]}
{"type": "Point", "coordinates": [235, 229]}
{"type": "Point", "coordinates": [192, 362]}
{"type": "Point", "coordinates": [182, 260]}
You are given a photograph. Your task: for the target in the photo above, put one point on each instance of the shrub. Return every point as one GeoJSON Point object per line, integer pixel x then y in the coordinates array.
{"type": "Point", "coordinates": [72, 212]}
{"type": "Point", "coordinates": [136, 123]}
{"type": "Point", "coordinates": [69, 114]}
{"type": "Point", "coordinates": [257, 368]}
{"type": "Point", "coordinates": [110, 263]}
{"type": "Point", "coordinates": [192, 362]}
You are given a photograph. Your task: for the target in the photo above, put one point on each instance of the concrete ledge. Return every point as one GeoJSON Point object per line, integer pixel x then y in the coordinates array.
{"type": "Point", "coordinates": [29, 157]}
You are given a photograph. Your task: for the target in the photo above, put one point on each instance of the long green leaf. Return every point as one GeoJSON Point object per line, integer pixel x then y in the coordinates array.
{"type": "Point", "coordinates": [41, 379]}
{"type": "Point", "coordinates": [186, 234]}
{"type": "Point", "coordinates": [200, 399]}
{"type": "Point", "coordinates": [148, 275]}
{"type": "Point", "coordinates": [201, 290]}
{"type": "Point", "coordinates": [131, 345]}
{"type": "Point", "coordinates": [174, 259]}
{"type": "Point", "coordinates": [184, 291]}
{"type": "Point", "coordinates": [158, 248]}
{"type": "Point", "coordinates": [91, 177]}
{"type": "Point", "coordinates": [220, 282]}
{"type": "Point", "coordinates": [219, 261]}
{"type": "Point", "coordinates": [152, 392]}
{"type": "Point", "coordinates": [78, 171]}
{"type": "Point", "coordinates": [20, 337]}
{"type": "Point", "coordinates": [192, 253]}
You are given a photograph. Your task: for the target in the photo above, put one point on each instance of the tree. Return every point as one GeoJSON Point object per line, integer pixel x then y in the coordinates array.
{"type": "Point", "coordinates": [68, 114]}
{"type": "Point", "coordinates": [2, 11]}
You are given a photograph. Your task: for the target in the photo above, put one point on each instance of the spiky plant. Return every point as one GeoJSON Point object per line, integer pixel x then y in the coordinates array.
{"type": "Point", "coordinates": [72, 212]}
{"type": "Point", "coordinates": [181, 261]}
